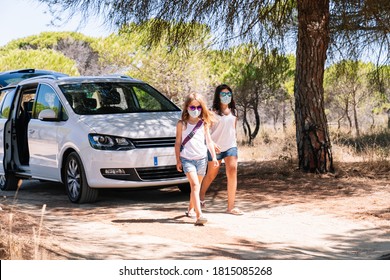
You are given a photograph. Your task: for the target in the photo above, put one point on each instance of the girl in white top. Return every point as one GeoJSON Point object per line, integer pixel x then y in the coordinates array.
{"type": "Point", "coordinates": [223, 134]}
{"type": "Point", "coordinates": [191, 155]}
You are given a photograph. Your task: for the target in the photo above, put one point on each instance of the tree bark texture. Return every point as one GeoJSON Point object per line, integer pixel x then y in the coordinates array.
{"type": "Point", "coordinates": [257, 123]}
{"type": "Point", "coordinates": [284, 122]}
{"type": "Point", "coordinates": [247, 127]}
{"type": "Point", "coordinates": [354, 107]}
{"type": "Point", "coordinates": [313, 142]}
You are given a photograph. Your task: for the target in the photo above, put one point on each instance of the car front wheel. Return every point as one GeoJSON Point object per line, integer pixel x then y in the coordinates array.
{"type": "Point", "coordinates": [75, 181]}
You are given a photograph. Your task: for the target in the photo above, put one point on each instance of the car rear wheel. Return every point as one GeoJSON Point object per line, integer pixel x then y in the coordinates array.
{"type": "Point", "coordinates": [75, 181]}
{"type": "Point", "coordinates": [8, 182]}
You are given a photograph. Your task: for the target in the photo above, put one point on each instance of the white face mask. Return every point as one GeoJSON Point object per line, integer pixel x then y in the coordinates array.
{"type": "Point", "coordinates": [226, 99]}
{"type": "Point", "coordinates": [194, 114]}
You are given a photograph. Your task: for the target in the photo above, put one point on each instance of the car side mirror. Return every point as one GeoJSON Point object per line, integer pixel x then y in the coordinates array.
{"type": "Point", "coordinates": [47, 115]}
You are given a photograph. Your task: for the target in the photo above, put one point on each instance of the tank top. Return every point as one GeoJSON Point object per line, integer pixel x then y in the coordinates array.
{"type": "Point", "coordinates": [223, 132]}
{"type": "Point", "coordinates": [195, 148]}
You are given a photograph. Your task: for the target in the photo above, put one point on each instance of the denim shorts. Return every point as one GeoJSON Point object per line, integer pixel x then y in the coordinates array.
{"type": "Point", "coordinates": [196, 165]}
{"type": "Point", "coordinates": [232, 152]}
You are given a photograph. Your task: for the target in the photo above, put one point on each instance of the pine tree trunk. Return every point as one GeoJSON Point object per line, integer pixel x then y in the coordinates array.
{"type": "Point", "coordinates": [284, 123]}
{"type": "Point", "coordinates": [388, 119]}
{"type": "Point", "coordinates": [313, 142]}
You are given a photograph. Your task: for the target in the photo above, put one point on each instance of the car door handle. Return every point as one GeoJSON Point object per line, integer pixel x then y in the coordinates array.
{"type": "Point", "coordinates": [31, 131]}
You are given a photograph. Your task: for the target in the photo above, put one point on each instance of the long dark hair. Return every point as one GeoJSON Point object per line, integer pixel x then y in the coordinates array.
{"type": "Point", "coordinates": [217, 100]}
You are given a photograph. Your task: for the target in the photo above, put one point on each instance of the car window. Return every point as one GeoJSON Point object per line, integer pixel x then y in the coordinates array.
{"type": "Point", "coordinates": [113, 97]}
{"type": "Point", "coordinates": [8, 96]}
{"type": "Point", "coordinates": [17, 77]}
{"type": "Point", "coordinates": [146, 101]}
{"type": "Point", "coordinates": [46, 98]}
{"type": "Point", "coordinates": [2, 94]}
{"type": "Point", "coordinates": [14, 77]}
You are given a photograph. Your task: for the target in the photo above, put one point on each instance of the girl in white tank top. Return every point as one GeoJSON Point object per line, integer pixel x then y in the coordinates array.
{"type": "Point", "coordinates": [191, 153]}
{"type": "Point", "coordinates": [223, 134]}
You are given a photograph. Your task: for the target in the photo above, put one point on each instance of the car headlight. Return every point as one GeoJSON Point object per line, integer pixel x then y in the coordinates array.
{"type": "Point", "coordinates": [106, 142]}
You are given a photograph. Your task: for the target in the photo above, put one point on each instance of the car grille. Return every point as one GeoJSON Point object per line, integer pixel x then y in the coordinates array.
{"type": "Point", "coordinates": [154, 142]}
{"type": "Point", "coordinates": [159, 173]}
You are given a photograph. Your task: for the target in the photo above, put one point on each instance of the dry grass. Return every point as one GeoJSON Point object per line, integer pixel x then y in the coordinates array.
{"type": "Point", "coordinates": [269, 145]}
{"type": "Point", "coordinates": [13, 243]}
{"type": "Point", "coordinates": [370, 152]}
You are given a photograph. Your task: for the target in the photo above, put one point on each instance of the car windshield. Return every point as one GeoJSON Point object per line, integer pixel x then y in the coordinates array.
{"type": "Point", "coordinates": [115, 97]}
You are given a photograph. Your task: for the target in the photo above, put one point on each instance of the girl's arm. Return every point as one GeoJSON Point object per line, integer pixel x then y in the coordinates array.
{"type": "Point", "coordinates": [210, 145]}
{"type": "Point", "coordinates": [213, 120]}
{"type": "Point", "coordinates": [179, 128]}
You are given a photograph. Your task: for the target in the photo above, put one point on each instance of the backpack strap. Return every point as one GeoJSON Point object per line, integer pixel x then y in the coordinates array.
{"type": "Point", "coordinates": [189, 136]}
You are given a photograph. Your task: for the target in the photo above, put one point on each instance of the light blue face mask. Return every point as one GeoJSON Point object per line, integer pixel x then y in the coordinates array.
{"type": "Point", "coordinates": [194, 113]}
{"type": "Point", "coordinates": [226, 99]}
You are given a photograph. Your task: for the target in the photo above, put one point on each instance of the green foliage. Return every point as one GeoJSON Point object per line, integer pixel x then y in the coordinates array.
{"type": "Point", "coordinates": [175, 35]}
{"type": "Point", "coordinates": [116, 51]}
{"type": "Point", "coordinates": [349, 94]}
{"type": "Point", "coordinates": [176, 71]}
{"type": "Point", "coordinates": [258, 78]}
{"type": "Point", "coordinates": [39, 59]}
{"type": "Point", "coordinates": [191, 64]}
{"type": "Point", "coordinates": [83, 50]}
{"type": "Point", "coordinates": [289, 76]}
{"type": "Point", "coordinates": [379, 79]}
{"type": "Point", "coordinates": [221, 66]}
{"type": "Point", "coordinates": [46, 40]}
{"type": "Point", "coordinates": [251, 65]}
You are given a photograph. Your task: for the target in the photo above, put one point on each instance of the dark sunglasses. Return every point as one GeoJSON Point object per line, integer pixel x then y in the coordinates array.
{"type": "Point", "coordinates": [222, 93]}
{"type": "Point", "coordinates": [192, 108]}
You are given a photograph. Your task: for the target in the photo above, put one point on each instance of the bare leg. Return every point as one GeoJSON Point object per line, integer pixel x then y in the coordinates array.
{"type": "Point", "coordinates": [194, 196]}
{"type": "Point", "coordinates": [191, 206]}
{"type": "Point", "coordinates": [212, 172]}
{"type": "Point", "coordinates": [231, 173]}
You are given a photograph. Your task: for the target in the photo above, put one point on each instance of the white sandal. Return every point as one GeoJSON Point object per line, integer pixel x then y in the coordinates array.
{"type": "Point", "coordinates": [201, 221]}
{"type": "Point", "coordinates": [190, 214]}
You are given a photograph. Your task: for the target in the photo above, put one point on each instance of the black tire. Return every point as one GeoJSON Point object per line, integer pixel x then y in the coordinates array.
{"type": "Point", "coordinates": [185, 188]}
{"type": "Point", "coordinates": [75, 181]}
{"type": "Point", "coordinates": [8, 182]}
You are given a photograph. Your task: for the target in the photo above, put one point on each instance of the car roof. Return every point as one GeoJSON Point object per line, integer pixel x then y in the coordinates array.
{"type": "Point", "coordinates": [15, 76]}
{"type": "Point", "coordinates": [80, 79]}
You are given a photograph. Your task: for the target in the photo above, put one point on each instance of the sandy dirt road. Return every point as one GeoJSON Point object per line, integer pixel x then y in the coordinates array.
{"type": "Point", "coordinates": [287, 216]}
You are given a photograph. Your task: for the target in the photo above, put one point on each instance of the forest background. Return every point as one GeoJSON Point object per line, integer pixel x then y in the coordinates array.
{"type": "Point", "coordinates": [356, 104]}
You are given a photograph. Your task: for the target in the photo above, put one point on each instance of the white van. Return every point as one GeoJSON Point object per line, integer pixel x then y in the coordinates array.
{"type": "Point", "coordinates": [88, 133]}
